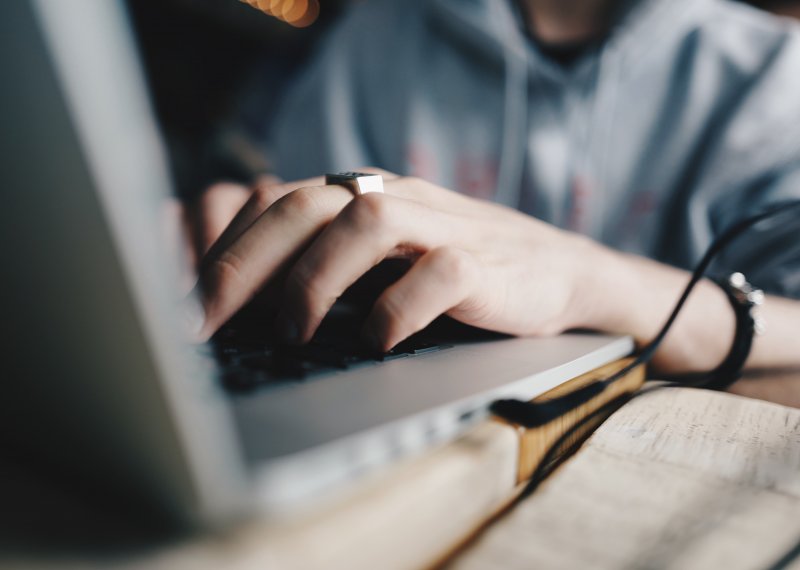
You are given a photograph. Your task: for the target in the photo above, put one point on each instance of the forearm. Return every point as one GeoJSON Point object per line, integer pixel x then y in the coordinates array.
{"type": "Point", "coordinates": [635, 295]}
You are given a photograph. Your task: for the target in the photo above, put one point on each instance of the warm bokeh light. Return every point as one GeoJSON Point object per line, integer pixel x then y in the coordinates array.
{"type": "Point", "coordinates": [298, 13]}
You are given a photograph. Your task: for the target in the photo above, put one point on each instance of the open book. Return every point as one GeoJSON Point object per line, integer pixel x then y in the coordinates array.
{"type": "Point", "coordinates": [678, 478]}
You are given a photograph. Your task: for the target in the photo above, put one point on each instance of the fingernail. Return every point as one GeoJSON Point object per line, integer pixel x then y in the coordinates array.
{"type": "Point", "coordinates": [287, 328]}
{"type": "Point", "coordinates": [193, 315]}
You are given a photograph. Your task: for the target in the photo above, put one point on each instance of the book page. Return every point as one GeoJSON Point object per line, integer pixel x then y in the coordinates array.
{"type": "Point", "coordinates": [678, 478]}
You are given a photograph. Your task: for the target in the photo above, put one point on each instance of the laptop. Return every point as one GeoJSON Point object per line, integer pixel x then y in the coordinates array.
{"type": "Point", "coordinates": [100, 386]}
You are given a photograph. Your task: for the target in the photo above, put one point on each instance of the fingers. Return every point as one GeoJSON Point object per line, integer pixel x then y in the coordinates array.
{"type": "Point", "coordinates": [216, 207]}
{"type": "Point", "coordinates": [277, 225]}
{"type": "Point", "coordinates": [265, 193]}
{"type": "Point", "coordinates": [231, 277]}
{"type": "Point", "coordinates": [444, 280]}
{"type": "Point", "coordinates": [370, 229]}
{"type": "Point", "coordinates": [227, 216]}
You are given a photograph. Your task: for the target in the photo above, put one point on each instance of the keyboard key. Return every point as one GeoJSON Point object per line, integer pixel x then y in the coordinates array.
{"type": "Point", "coordinates": [250, 360]}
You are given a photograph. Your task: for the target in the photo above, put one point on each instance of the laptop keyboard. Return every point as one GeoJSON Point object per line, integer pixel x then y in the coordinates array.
{"type": "Point", "coordinates": [250, 359]}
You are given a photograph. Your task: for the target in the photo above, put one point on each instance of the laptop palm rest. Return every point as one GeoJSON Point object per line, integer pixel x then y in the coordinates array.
{"type": "Point", "coordinates": [424, 391]}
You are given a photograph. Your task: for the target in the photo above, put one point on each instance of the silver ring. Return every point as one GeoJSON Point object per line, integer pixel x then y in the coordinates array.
{"type": "Point", "coordinates": [357, 182]}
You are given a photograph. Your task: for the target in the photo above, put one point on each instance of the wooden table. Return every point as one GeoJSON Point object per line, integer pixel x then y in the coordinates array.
{"type": "Point", "coordinates": [45, 526]}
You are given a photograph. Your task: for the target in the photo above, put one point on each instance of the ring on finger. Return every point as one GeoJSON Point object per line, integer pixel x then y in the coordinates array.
{"type": "Point", "coordinates": [358, 183]}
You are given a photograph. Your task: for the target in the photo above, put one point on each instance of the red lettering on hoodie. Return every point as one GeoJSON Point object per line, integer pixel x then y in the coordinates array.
{"type": "Point", "coordinates": [580, 196]}
{"type": "Point", "coordinates": [476, 176]}
{"type": "Point", "coordinates": [421, 162]}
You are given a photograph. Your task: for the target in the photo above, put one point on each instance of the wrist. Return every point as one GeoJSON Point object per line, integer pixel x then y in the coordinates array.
{"type": "Point", "coordinates": [602, 291]}
{"type": "Point", "coordinates": [628, 294]}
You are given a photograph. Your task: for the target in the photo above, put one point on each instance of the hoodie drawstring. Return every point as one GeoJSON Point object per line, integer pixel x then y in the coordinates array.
{"type": "Point", "coordinates": [515, 114]}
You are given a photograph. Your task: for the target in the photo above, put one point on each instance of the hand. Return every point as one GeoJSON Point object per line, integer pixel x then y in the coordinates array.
{"type": "Point", "coordinates": [206, 217]}
{"type": "Point", "coordinates": [210, 213]}
{"type": "Point", "coordinates": [191, 228]}
{"type": "Point", "coordinates": [480, 263]}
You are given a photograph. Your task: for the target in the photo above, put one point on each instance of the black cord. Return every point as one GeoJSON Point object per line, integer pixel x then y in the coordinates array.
{"type": "Point", "coordinates": [536, 414]}
{"type": "Point", "coordinates": [785, 560]}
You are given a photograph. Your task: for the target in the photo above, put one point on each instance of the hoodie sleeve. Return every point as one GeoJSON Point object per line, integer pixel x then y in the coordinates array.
{"type": "Point", "coordinates": [765, 177]}
{"type": "Point", "coordinates": [760, 167]}
{"type": "Point", "coordinates": [750, 159]}
{"type": "Point", "coordinates": [768, 254]}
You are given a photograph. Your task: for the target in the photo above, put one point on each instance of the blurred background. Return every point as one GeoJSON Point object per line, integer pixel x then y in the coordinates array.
{"type": "Point", "coordinates": [218, 68]}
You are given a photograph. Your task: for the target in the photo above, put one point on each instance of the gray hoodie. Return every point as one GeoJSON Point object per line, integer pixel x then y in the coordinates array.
{"type": "Point", "coordinates": [684, 120]}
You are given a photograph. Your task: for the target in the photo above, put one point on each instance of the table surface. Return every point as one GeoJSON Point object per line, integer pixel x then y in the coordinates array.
{"type": "Point", "coordinates": [43, 525]}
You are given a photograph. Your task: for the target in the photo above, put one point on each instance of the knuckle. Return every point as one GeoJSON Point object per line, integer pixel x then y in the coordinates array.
{"type": "Point", "coordinates": [416, 183]}
{"type": "Point", "coordinates": [212, 191]}
{"type": "Point", "coordinates": [225, 272]}
{"type": "Point", "coordinates": [300, 202]}
{"type": "Point", "coordinates": [224, 192]}
{"type": "Point", "coordinates": [413, 187]}
{"type": "Point", "coordinates": [209, 199]}
{"type": "Point", "coordinates": [454, 264]}
{"type": "Point", "coordinates": [371, 210]}
{"type": "Point", "coordinates": [264, 196]}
